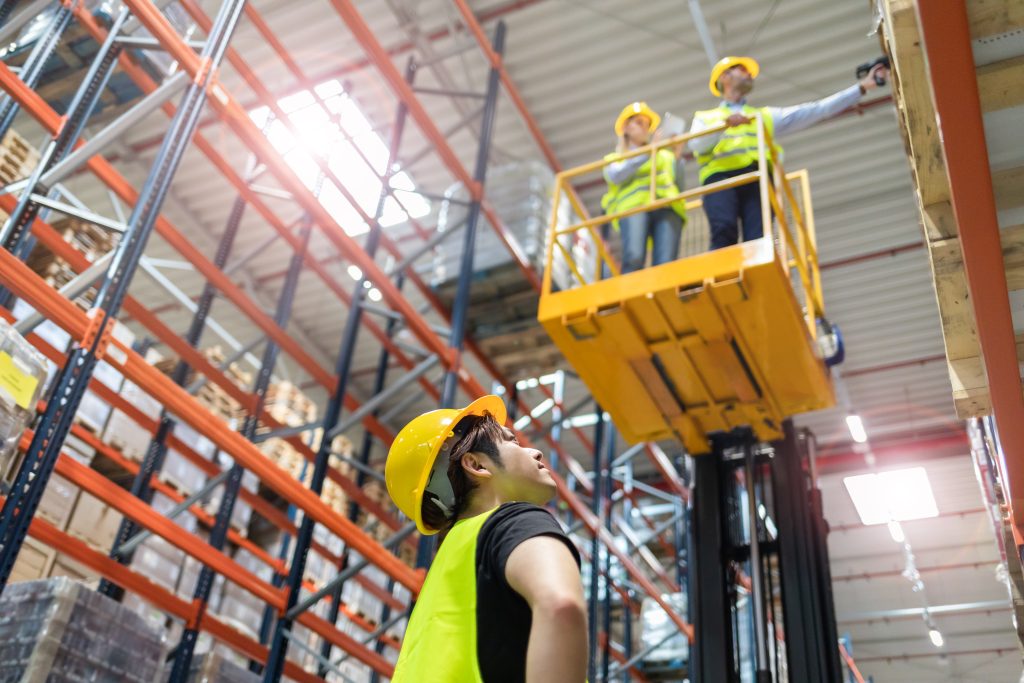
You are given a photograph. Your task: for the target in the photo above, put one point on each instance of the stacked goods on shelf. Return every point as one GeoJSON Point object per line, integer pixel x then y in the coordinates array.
{"type": "Point", "coordinates": [211, 395]}
{"type": "Point", "coordinates": [57, 630]}
{"type": "Point", "coordinates": [289, 406]}
{"type": "Point", "coordinates": [181, 473]}
{"type": "Point", "coordinates": [76, 512]}
{"type": "Point", "coordinates": [88, 238]}
{"type": "Point", "coordinates": [123, 432]}
{"type": "Point", "coordinates": [522, 196]}
{"type": "Point", "coordinates": [215, 666]}
{"type": "Point", "coordinates": [23, 373]}
{"type": "Point", "coordinates": [17, 158]}
{"type": "Point", "coordinates": [376, 492]}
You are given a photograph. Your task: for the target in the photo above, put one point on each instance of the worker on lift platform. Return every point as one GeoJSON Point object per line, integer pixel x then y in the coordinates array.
{"type": "Point", "coordinates": [503, 600]}
{"type": "Point", "coordinates": [734, 151]}
{"type": "Point", "coordinates": [629, 185]}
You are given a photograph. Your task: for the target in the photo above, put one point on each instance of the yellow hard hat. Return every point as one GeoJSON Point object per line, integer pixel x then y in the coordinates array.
{"type": "Point", "coordinates": [411, 458]}
{"type": "Point", "coordinates": [727, 63]}
{"type": "Point", "coordinates": [636, 109]}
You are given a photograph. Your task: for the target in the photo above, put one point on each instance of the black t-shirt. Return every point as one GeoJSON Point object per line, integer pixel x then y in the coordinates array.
{"type": "Point", "coordinates": [503, 617]}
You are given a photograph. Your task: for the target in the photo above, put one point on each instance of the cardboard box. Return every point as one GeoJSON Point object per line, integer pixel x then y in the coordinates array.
{"type": "Point", "coordinates": [34, 561]}
{"type": "Point", "coordinates": [194, 440]}
{"type": "Point", "coordinates": [124, 434]}
{"type": "Point", "coordinates": [66, 566]}
{"type": "Point", "coordinates": [159, 561]}
{"type": "Point", "coordinates": [78, 449]}
{"type": "Point", "coordinates": [190, 576]}
{"type": "Point", "coordinates": [94, 522]}
{"type": "Point", "coordinates": [58, 501]}
{"type": "Point", "coordinates": [181, 473]}
{"type": "Point", "coordinates": [93, 412]}
{"type": "Point", "coordinates": [163, 504]}
{"type": "Point", "coordinates": [140, 400]}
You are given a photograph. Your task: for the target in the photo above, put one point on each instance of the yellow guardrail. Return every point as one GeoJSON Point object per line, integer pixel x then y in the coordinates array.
{"type": "Point", "coordinates": [785, 197]}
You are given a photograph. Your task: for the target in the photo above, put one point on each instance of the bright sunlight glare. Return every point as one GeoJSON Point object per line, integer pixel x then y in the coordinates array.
{"type": "Point", "coordinates": [337, 135]}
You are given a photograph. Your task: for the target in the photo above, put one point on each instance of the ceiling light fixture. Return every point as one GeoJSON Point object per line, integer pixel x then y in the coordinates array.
{"type": "Point", "coordinates": [856, 427]}
{"type": "Point", "coordinates": [896, 495]}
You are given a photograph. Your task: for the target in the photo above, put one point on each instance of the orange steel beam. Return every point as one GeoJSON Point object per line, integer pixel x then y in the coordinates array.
{"type": "Point", "coordinates": [259, 504]}
{"type": "Point", "coordinates": [196, 360]}
{"type": "Point", "coordinates": [850, 664]}
{"type": "Point", "coordinates": [51, 239]}
{"type": "Point", "coordinates": [238, 120]}
{"type": "Point", "coordinates": [29, 286]}
{"type": "Point", "coordinates": [510, 88]}
{"type": "Point", "coordinates": [378, 55]}
{"type": "Point", "coordinates": [945, 32]}
{"type": "Point", "coordinates": [99, 486]}
{"type": "Point", "coordinates": [362, 33]}
{"type": "Point", "coordinates": [634, 672]}
{"type": "Point", "coordinates": [268, 99]}
{"type": "Point", "coordinates": [51, 121]}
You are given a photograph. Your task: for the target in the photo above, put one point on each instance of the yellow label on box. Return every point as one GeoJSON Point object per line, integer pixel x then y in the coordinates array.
{"type": "Point", "coordinates": [19, 384]}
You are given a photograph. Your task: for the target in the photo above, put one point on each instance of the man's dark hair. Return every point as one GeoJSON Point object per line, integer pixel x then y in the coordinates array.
{"type": "Point", "coordinates": [473, 434]}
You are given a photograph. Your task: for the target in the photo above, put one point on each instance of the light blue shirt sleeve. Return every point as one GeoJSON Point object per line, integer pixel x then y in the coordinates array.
{"type": "Point", "coordinates": [619, 172]}
{"type": "Point", "coordinates": [800, 116]}
{"type": "Point", "coordinates": [704, 143]}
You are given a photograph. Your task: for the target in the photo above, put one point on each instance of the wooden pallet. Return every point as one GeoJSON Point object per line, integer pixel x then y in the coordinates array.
{"type": "Point", "coordinates": [17, 158]}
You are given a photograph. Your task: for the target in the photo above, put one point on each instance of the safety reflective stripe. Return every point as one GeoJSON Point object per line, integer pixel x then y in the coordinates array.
{"type": "Point", "coordinates": [618, 199]}
{"type": "Point", "coordinates": [636, 191]}
{"type": "Point", "coordinates": [737, 146]}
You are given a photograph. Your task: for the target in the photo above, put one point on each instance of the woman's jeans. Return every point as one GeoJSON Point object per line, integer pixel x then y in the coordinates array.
{"type": "Point", "coordinates": [663, 226]}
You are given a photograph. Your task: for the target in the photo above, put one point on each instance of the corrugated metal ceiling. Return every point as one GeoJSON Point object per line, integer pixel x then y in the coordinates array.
{"type": "Point", "coordinates": [576, 64]}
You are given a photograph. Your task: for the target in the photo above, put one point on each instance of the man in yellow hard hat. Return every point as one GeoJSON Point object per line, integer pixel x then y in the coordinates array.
{"type": "Point", "coordinates": [503, 600]}
{"type": "Point", "coordinates": [733, 152]}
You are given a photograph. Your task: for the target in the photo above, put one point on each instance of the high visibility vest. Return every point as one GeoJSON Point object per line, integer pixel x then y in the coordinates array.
{"type": "Point", "coordinates": [737, 148]}
{"type": "Point", "coordinates": [440, 641]}
{"type": "Point", "coordinates": [637, 190]}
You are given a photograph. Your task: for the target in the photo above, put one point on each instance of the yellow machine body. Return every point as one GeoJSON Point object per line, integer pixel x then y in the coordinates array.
{"type": "Point", "coordinates": [700, 345]}
{"type": "Point", "coordinates": [704, 344]}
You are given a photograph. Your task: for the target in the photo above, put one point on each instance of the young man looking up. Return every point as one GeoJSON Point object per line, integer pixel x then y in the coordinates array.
{"type": "Point", "coordinates": [503, 600]}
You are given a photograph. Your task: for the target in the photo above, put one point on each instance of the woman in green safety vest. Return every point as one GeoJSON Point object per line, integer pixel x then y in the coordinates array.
{"type": "Point", "coordinates": [503, 600]}
{"type": "Point", "coordinates": [629, 186]}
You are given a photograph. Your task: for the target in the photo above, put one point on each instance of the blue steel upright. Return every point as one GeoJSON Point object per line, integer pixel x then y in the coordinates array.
{"type": "Point", "coordinates": [32, 69]}
{"type": "Point", "coordinates": [156, 451]}
{"type": "Point", "coordinates": [218, 537]}
{"type": "Point", "coordinates": [382, 363]}
{"type": "Point", "coordinates": [15, 235]}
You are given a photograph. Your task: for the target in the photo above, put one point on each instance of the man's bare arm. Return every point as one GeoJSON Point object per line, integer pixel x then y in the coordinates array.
{"type": "Point", "coordinates": [544, 572]}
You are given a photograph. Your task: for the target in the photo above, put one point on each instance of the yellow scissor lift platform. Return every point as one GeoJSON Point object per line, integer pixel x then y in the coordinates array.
{"type": "Point", "coordinates": [704, 344]}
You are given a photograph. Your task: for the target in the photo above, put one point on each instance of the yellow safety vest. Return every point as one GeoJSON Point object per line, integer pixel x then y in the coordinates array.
{"type": "Point", "coordinates": [637, 190]}
{"type": "Point", "coordinates": [737, 148]}
{"type": "Point", "coordinates": [440, 642]}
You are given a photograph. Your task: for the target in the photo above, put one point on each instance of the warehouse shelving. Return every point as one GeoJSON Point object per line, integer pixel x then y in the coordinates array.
{"type": "Point", "coordinates": [91, 333]}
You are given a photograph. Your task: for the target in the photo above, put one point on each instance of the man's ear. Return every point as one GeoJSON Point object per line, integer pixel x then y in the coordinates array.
{"type": "Point", "coordinates": [476, 465]}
